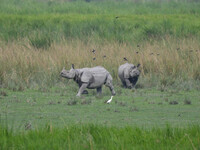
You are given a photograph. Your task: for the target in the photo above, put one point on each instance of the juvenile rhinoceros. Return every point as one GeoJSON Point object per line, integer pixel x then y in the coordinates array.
{"type": "Point", "coordinates": [129, 74]}
{"type": "Point", "coordinates": [91, 78]}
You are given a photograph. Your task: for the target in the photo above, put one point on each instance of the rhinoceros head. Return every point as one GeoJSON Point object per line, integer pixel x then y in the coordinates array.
{"type": "Point", "coordinates": [69, 74]}
{"type": "Point", "coordinates": [135, 72]}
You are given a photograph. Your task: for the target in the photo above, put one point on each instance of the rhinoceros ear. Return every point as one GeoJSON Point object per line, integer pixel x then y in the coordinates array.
{"type": "Point", "coordinates": [72, 66]}
{"type": "Point", "coordinates": [138, 65]}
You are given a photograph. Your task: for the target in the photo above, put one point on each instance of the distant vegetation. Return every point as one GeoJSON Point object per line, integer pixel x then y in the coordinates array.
{"type": "Point", "coordinates": [41, 30]}
{"type": "Point", "coordinates": [47, 21]}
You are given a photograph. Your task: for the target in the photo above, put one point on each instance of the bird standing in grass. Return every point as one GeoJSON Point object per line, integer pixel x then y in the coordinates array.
{"type": "Point", "coordinates": [109, 101]}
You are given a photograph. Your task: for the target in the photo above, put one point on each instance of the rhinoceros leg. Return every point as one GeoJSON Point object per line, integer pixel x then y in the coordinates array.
{"type": "Point", "coordinates": [99, 90]}
{"type": "Point", "coordinates": [82, 88]}
{"type": "Point", "coordinates": [134, 81]}
{"type": "Point", "coordinates": [128, 83]}
{"type": "Point", "coordinates": [110, 85]}
{"type": "Point", "coordinates": [124, 84]}
{"type": "Point", "coordinates": [85, 91]}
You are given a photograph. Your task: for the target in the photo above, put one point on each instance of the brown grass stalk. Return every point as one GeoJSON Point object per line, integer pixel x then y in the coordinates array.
{"type": "Point", "coordinates": [169, 57]}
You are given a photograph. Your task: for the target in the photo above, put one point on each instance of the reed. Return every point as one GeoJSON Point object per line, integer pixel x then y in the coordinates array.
{"type": "Point", "coordinates": [23, 64]}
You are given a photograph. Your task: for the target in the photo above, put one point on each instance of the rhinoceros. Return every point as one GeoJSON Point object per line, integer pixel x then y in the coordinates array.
{"type": "Point", "coordinates": [91, 78]}
{"type": "Point", "coordinates": [128, 74]}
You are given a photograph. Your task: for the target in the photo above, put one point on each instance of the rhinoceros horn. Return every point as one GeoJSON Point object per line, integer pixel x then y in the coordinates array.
{"type": "Point", "coordinates": [72, 66]}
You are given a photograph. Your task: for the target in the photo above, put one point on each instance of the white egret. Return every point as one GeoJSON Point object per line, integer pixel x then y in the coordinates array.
{"type": "Point", "coordinates": [109, 101]}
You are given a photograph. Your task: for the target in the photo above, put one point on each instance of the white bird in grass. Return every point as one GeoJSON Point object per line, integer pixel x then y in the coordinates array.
{"type": "Point", "coordinates": [109, 101]}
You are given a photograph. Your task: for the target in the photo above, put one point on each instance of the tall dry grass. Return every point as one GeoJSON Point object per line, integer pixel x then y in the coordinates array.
{"type": "Point", "coordinates": [21, 64]}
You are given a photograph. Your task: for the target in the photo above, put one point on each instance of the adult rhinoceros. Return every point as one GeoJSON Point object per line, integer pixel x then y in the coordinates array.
{"type": "Point", "coordinates": [129, 74]}
{"type": "Point", "coordinates": [91, 78]}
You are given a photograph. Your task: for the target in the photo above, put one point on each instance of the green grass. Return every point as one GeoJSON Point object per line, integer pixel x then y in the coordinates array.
{"type": "Point", "coordinates": [137, 21]}
{"type": "Point", "coordinates": [127, 28]}
{"type": "Point", "coordinates": [100, 137]}
{"type": "Point", "coordinates": [99, 7]}
{"type": "Point", "coordinates": [141, 119]}
{"type": "Point", "coordinates": [141, 108]}
{"type": "Point", "coordinates": [40, 112]}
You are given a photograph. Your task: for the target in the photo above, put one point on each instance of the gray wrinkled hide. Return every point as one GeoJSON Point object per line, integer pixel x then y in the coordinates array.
{"type": "Point", "coordinates": [91, 78]}
{"type": "Point", "coordinates": [128, 74]}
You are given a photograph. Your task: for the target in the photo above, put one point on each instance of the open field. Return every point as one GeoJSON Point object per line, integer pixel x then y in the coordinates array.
{"type": "Point", "coordinates": [38, 108]}
{"type": "Point", "coordinates": [140, 119]}
{"type": "Point", "coordinates": [141, 108]}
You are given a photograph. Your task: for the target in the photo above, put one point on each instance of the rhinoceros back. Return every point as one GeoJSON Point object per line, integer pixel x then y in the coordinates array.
{"type": "Point", "coordinates": [99, 75]}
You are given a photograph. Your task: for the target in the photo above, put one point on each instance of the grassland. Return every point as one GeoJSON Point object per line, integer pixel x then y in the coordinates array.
{"type": "Point", "coordinates": [140, 119]}
{"type": "Point", "coordinates": [37, 42]}
{"type": "Point", "coordinates": [140, 108]}
{"type": "Point", "coordinates": [23, 66]}
{"type": "Point", "coordinates": [131, 22]}
{"type": "Point", "coordinates": [39, 110]}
